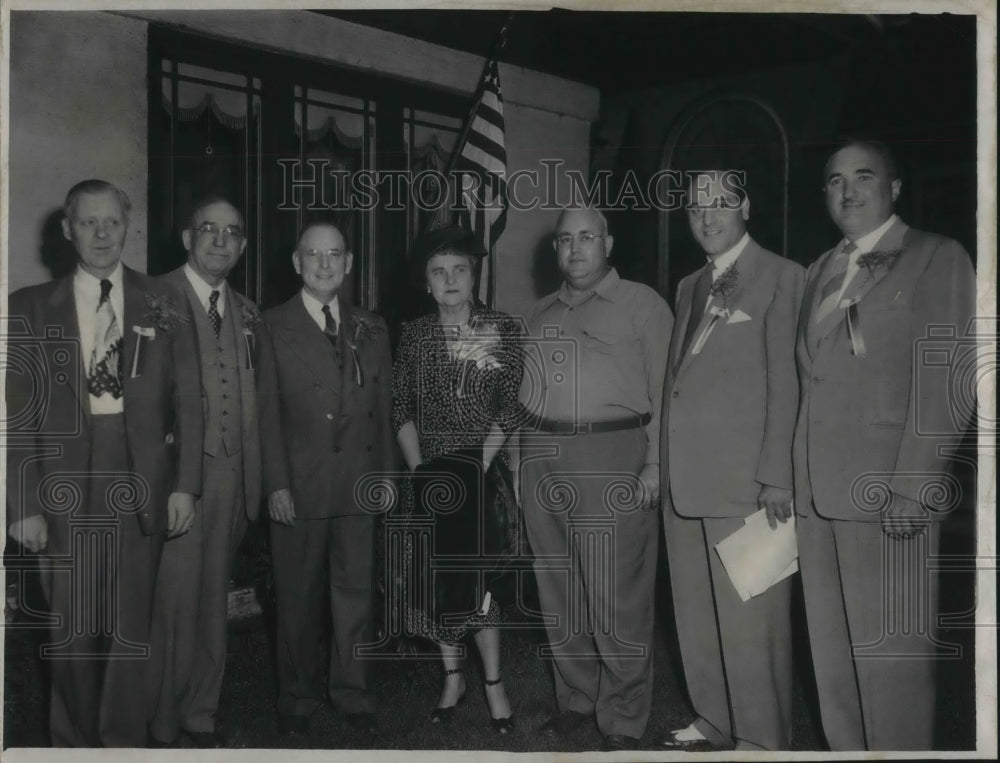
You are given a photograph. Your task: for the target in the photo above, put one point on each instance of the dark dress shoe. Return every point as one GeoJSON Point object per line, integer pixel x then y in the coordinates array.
{"type": "Point", "coordinates": [362, 721]}
{"type": "Point", "coordinates": [158, 744]}
{"type": "Point", "coordinates": [614, 742]}
{"type": "Point", "coordinates": [292, 725]}
{"type": "Point", "coordinates": [206, 740]}
{"type": "Point", "coordinates": [564, 723]}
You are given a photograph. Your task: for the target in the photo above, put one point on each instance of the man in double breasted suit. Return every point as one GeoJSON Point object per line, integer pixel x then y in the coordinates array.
{"type": "Point", "coordinates": [106, 443]}
{"type": "Point", "coordinates": [884, 315]}
{"type": "Point", "coordinates": [190, 607]}
{"type": "Point", "coordinates": [729, 405]}
{"type": "Point", "coordinates": [324, 381]}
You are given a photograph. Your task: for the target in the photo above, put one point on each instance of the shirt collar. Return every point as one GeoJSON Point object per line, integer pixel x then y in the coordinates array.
{"type": "Point", "coordinates": [606, 288]}
{"type": "Point", "coordinates": [867, 242]}
{"type": "Point", "coordinates": [315, 308]}
{"type": "Point", "coordinates": [88, 281]}
{"type": "Point", "coordinates": [728, 257]}
{"type": "Point", "coordinates": [203, 289]}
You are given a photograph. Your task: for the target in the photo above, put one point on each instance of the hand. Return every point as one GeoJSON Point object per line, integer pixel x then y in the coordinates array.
{"type": "Point", "coordinates": [777, 504]}
{"type": "Point", "coordinates": [180, 514]}
{"type": "Point", "coordinates": [649, 479]}
{"type": "Point", "coordinates": [904, 518]}
{"type": "Point", "coordinates": [281, 507]}
{"type": "Point", "coordinates": [31, 532]}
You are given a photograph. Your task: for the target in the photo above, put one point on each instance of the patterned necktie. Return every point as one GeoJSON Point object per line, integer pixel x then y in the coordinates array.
{"type": "Point", "coordinates": [702, 288]}
{"type": "Point", "coordinates": [213, 311]}
{"type": "Point", "coordinates": [104, 374]}
{"type": "Point", "coordinates": [834, 282]}
{"type": "Point", "coordinates": [330, 327]}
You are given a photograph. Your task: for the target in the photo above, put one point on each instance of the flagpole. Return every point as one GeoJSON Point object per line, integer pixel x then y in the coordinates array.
{"type": "Point", "coordinates": [498, 46]}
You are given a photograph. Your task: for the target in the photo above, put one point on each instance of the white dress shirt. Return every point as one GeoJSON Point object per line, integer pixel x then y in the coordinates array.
{"type": "Point", "coordinates": [87, 296]}
{"type": "Point", "coordinates": [204, 291]}
{"type": "Point", "coordinates": [315, 309]}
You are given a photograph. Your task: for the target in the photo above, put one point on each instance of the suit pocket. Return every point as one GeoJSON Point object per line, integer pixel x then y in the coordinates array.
{"type": "Point", "coordinates": [888, 403]}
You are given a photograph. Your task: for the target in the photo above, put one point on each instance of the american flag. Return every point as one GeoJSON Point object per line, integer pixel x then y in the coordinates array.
{"type": "Point", "coordinates": [481, 168]}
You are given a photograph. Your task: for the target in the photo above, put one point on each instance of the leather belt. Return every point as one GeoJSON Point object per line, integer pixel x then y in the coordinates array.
{"type": "Point", "coordinates": [589, 427]}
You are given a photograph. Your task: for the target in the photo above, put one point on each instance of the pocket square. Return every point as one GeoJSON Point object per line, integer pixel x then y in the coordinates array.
{"type": "Point", "coordinates": [739, 316]}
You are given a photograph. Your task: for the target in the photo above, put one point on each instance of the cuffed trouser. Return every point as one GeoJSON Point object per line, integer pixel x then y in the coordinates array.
{"type": "Point", "coordinates": [191, 603]}
{"type": "Point", "coordinates": [737, 655]}
{"type": "Point", "coordinates": [98, 576]}
{"type": "Point", "coordinates": [871, 608]}
{"type": "Point", "coordinates": [319, 563]}
{"type": "Point", "coordinates": [595, 565]}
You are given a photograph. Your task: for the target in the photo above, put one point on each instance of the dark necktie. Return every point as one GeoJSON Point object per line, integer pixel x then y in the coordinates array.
{"type": "Point", "coordinates": [834, 282]}
{"type": "Point", "coordinates": [104, 373]}
{"type": "Point", "coordinates": [702, 288]}
{"type": "Point", "coordinates": [330, 325]}
{"type": "Point", "coordinates": [213, 311]}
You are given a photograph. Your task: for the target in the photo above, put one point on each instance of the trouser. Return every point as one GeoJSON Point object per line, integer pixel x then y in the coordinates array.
{"type": "Point", "coordinates": [871, 609]}
{"type": "Point", "coordinates": [595, 565]}
{"type": "Point", "coordinates": [191, 602]}
{"type": "Point", "coordinates": [320, 563]}
{"type": "Point", "coordinates": [99, 582]}
{"type": "Point", "coordinates": [737, 655]}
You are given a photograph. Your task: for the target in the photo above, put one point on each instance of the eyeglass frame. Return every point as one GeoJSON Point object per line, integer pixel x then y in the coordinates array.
{"type": "Point", "coordinates": [585, 238]}
{"type": "Point", "coordinates": [228, 232]}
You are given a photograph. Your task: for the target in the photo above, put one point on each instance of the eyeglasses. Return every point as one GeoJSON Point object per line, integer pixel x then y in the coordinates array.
{"type": "Point", "coordinates": [566, 239]}
{"type": "Point", "coordinates": [213, 230]}
{"type": "Point", "coordinates": [314, 253]}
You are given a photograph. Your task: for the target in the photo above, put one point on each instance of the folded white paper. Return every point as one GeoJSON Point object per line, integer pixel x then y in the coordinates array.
{"type": "Point", "coordinates": [756, 557]}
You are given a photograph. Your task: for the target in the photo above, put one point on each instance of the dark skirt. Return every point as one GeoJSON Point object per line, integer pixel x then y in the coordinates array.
{"type": "Point", "coordinates": [461, 545]}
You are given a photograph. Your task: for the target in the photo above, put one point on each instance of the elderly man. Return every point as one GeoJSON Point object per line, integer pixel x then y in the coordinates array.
{"type": "Point", "coordinates": [189, 612]}
{"type": "Point", "coordinates": [593, 439]}
{"type": "Point", "coordinates": [874, 417]}
{"type": "Point", "coordinates": [119, 435]}
{"type": "Point", "coordinates": [729, 405]}
{"type": "Point", "coordinates": [324, 384]}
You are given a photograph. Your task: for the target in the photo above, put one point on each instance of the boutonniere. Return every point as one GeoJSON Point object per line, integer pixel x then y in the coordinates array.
{"type": "Point", "coordinates": [475, 345]}
{"type": "Point", "coordinates": [162, 312]}
{"type": "Point", "coordinates": [360, 328]}
{"type": "Point", "coordinates": [725, 284]}
{"type": "Point", "coordinates": [871, 261]}
{"type": "Point", "coordinates": [878, 258]}
{"type": "Point", "coordinates": [251, 317]}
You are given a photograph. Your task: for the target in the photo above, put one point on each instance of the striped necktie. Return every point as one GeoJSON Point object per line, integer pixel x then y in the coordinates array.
{"type": "Point", "coordinates": [835, 282]}
{"type": "Point", "coordinates": [330, 325]}
{"type": "Point", "coordinates": [702, 288]}
{"type": "Point", "coordinates": [104, 373]}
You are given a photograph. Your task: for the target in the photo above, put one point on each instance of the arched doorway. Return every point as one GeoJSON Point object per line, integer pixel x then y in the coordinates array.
{"type": "Point", "coordinates": [751, 132]}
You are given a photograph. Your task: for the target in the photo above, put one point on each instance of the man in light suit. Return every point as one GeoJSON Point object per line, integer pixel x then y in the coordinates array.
{"type": "Point", "coordinates": [189, 613]}
{"type": "Point", "coordinates": [868, 475]}
{"type": "Point", "coordinates": [110, 462]}
{"type": "Point", "coordinates": [729, 404]}
{"type": "Point", "coordinates": [324, 384]}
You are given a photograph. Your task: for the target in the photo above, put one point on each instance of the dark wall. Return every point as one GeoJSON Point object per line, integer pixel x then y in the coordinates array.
{"type": "Point", "coordinates": [911, 84]}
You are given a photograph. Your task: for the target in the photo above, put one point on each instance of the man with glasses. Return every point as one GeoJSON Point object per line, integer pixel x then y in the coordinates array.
{"type": "Point", "coordinates": [324, 383]}
{"type": "Point", "coordinates": [592, 438]}
{"type": "Point", "coordinates": [190, 606]}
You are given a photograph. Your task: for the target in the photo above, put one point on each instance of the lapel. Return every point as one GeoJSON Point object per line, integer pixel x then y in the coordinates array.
{"type": "Point", "coordinates": [347, 359]}
{"type": "Point", "coordinates": [62, 312]}
{"type": "Point", "coordinates": [746, 267]}
{"type": "Point", "coordinates": [135, 310]}
{"type": "Point", "coordinates": [684, 297]}
{"type": "Point", "coordinates": [891, 239]}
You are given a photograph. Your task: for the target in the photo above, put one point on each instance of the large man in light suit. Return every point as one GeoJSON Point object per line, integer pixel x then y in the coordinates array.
{"type": "Point", "coordinates": [108, 466]}
{"type": "Point", "coordinates": [189, 613]}
{"type": "Point", "coordinates": [324, 382]}
{"type": "Point", "coordinates": [729, 405]}
{"type": "Point", "coordinates": [868, 474]}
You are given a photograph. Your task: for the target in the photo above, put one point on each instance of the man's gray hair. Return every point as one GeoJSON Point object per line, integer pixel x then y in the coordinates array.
{"type": "Point", "coordinates": [94, 186]}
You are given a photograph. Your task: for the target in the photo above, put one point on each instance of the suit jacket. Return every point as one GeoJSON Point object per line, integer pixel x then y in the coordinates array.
{"type": "Point", "coordinates": [729, 411]}
{"type": "Point", "coordinates": [872, 423]}
{"type": "Point", "coordinates": [161, 391]}
{"type": "Point", "coordinates": [320, 431]}
{"type": "Point", "coordinates": [245, 316]}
